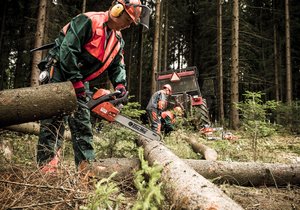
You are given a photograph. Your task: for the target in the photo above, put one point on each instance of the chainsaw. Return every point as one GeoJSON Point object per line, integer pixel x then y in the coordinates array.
{"type": "Point", "coordinates": [104, 104]}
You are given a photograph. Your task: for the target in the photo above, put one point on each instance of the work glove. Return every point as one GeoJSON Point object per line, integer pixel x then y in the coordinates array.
{"type": "Point", "coordinates": [122, 89]}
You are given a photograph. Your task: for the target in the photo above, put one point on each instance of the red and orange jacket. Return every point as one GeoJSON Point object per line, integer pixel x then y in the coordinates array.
{"type": "Point", "coordinates": [86, 48]}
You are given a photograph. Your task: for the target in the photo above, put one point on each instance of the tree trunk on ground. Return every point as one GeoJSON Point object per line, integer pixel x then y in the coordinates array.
{"type": "Point", "coordinates": [208, 153]}
{"type": "Point", "coordinates": [32, 128]}
{"type": "Point", "coordinates": [184, 187]}
{"type": "Point", "coordinates": [248, 173]}
{"type": "Point", "coordinates": [36, 103]}
{"type": "Point", "coordinates": [239, 173]}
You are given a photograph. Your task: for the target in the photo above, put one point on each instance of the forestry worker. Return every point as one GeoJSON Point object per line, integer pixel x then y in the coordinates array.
{"type": "Point", "coordinates": [156, 105]}
{"type": "Point", "coordinates": [88, 45]}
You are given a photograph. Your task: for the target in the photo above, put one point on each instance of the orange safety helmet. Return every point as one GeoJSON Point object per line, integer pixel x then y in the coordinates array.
{"type": "Point", "coordinates": [167, 86]}
{"type": "Point", "coordinates": [139, 13]}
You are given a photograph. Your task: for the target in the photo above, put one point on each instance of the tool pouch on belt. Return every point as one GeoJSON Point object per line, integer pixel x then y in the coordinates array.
{"type": "Point", "coordinates": [46, 66]}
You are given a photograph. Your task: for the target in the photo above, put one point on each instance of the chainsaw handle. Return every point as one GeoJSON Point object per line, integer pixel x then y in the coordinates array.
{"type": "Point", "coordinates": [111, 97]}
{"type": "Point", "coordinates": [121, 100]}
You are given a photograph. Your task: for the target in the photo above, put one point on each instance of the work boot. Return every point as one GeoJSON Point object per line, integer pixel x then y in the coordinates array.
{"type": "Point", "coordinates": [52, 166]}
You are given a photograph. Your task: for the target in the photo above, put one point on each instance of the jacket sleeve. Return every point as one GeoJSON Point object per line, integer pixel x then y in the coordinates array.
{"type": "Point", "coordinates": [116, 71]}
{"type": "Point", "coordinates": [78, 33]}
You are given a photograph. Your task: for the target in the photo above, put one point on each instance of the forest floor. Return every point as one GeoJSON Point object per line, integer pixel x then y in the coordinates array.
{"type": "Point", "coordinates": [23, 186]}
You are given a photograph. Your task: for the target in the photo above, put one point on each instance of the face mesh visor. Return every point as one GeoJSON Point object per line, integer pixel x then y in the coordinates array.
{"type": "Point", "coordinates": [142, 17]}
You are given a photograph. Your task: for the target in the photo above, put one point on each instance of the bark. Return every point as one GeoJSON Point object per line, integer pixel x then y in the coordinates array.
{"type": "Point", "coordinates": [288, 55]}
{"type": "Point", "coordinates": [155, 47]}
{"type": "Point", "coordinates": [184, 187]}
{"type": "Point", "coordinates": [36, 103]}
{"type": "Point", "coordinates": [276, 55]}
{"type": "Point", "coordinates": [32, 128]}
{"type": "Point", "coordinates": [165, 58]}
{"type": "Point", "coordinates": [207, 152]}
{"type": "Point", "coordinates": [140, 65]}
{"type": "Point", "coordinates": [248, 173]}
{"type": "Point", "coordinates": [220, 64]}
{"type": "Point", "coordinates": [125, 167]}
{"type": "Point", "coordinates": [234, 98]}
{"type": "Point", "coordinates": [40, 33]}
{"type": "Point", "coordinates": [239, 173]}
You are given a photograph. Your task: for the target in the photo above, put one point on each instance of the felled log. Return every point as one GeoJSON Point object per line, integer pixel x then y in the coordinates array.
{"type": "Point", "coordinates": [184, 187]}
{"type": "Point", "coordinates": [207, 152]}
{"type": "Point", "coordinates": [36, 103]}
{"type": "Point", "coordinates": [248, 173]}
{"type": "Point", "coordinates": [32, 128]}
{"type": "Point", "coordinates": [239, 173]}
{"type": "Point", "coordinates": [125, 167]}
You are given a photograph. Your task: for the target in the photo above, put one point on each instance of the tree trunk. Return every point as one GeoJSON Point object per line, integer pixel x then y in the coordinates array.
{"type": "Point", "coordinates": [220, 64]}
{"type": "Point", "coordinates": [140, 65]}
{"type": "Point", "coordinates": [2, 29]}
{"type": "Point", "coordinates": [36, 103]}
{"type": "Point", "coordinates": [83, 6]}
{"type": "Point", "coordinates": [155, 47]}
{"type": "Point", "coordinates": [288, 55]}
{"type": "Point", "coordinates": [37, 55]}
{"type": "Point", "coordinates": [276, 55]}
{"type": "Point", "coordinates": [234, 115]}
{"type": "Point", "coordinates": [184, 187]}
{"type": "Point", "coordinates": [165, 58]}
{"type": "Point", "coordinates": [208, 153]}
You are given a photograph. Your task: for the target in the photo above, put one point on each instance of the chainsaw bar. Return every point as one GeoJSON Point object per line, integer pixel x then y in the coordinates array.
{"type": "Point", "coordinates": [138, 128]}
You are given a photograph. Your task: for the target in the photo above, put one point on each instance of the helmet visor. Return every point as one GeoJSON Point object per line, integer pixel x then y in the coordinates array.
{"type": "Point", "coordinates": [145, 16]}
{"type": "Point", "coordinates": [140, 14]}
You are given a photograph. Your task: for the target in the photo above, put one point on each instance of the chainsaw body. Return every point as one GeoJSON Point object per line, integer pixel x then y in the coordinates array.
{"type": "Point", "coordinates": [104, 104]}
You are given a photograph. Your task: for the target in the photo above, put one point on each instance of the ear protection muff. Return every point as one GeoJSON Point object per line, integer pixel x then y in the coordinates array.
{"type": "Point", "coordinates": [118, 8]}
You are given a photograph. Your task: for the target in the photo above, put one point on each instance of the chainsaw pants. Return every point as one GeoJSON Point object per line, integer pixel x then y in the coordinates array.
{"type": "Point", "coordinates": [154, 119]}
{"type": "Point", "coordinates": [52, 131]}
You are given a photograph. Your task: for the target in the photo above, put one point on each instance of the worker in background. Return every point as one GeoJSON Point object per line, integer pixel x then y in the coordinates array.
{"type": "Point", "coordinates": [90, 44]}
{"type": "Point", "coordinates": [168, 119]}
{"type": "Point", "coordinates": [157, 104]}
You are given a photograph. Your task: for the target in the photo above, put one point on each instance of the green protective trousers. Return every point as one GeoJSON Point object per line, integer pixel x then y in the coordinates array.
{"type": "Point", "coordinates": [52, 131]}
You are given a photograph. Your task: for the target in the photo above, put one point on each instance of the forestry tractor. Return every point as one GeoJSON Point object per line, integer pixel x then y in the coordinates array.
{"type": "Point", "coordinates": [186, 93]}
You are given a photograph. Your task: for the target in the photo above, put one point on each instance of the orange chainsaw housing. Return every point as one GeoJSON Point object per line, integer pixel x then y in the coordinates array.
{"type": "Point", "coordinates": [107, 111]}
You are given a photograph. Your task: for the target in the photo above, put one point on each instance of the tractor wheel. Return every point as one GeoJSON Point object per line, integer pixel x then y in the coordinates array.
{"type": "Point", "coordinates": [200, 116]}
